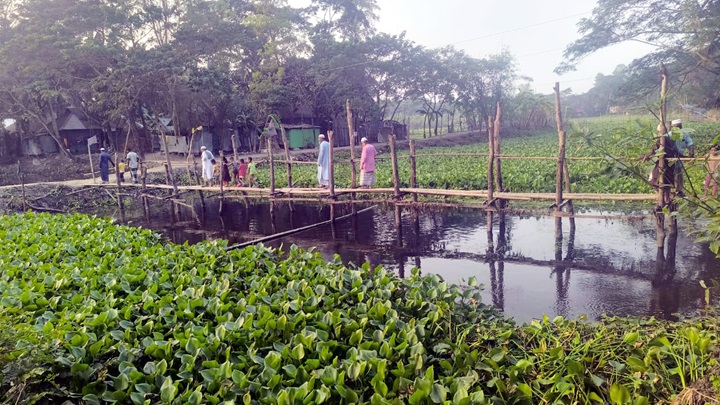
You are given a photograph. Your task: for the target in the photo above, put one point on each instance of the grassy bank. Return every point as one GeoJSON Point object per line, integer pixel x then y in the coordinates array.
{"type": "Point", "coordinates": [95, 313]}
{"type": "Point", "coordinates": [600, 137]}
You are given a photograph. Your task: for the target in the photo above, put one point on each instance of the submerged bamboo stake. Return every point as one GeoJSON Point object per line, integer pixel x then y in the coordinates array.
{"type": "Point", "coordinates": [353, 167]}
{"type": "Point", "coordinates": [491, 160]}
{"type": "Point", "coordinates": [413, 169]}
{"type": "Point", "coordinates": [332, 165]}
{"type": "Point", "coordinates": [396, 175]}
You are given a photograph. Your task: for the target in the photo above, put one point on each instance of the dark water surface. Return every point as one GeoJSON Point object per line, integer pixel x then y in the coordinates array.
{"type": "Point", "coordinates": [602, 266]}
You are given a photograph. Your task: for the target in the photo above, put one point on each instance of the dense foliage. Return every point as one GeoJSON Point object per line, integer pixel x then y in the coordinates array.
{"type": "Point", "coordinates": [618, 142]}
{"type": "Point", "coordinates": [227, 65]}
{"type": "Point", "coordinates": [113, 314]}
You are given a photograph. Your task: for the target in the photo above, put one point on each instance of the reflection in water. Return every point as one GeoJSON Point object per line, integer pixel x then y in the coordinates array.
{"type": "Point", "coordinates": [602, 266]}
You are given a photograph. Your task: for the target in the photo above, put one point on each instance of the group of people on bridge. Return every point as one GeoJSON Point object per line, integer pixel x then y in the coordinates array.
{"type": "Point", "coordinates": [367, 163]}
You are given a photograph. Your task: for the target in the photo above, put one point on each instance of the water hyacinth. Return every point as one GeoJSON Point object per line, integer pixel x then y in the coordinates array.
{"type": "Point", "coordinates": [115, 314]}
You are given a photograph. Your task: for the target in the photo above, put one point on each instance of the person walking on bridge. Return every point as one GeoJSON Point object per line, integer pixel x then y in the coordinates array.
{"type": "Point", "coordinates": [207, 166]}
{"type": "Point", "coordinates": [132, 162]}
{"type": "Point", "coordinates": [367, 164]}
{"type": "Point", "coordinates": [105, 162]}
{"type": "Point", "coordinates": [323, 162]}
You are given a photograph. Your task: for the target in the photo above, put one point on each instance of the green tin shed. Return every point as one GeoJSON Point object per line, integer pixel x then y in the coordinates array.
{"type": "Point", "coordinates": [302, 136]}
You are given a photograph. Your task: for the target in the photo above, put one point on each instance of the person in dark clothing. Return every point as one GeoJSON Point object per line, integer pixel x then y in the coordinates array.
{"type": "Point", "coordinates": [105, 162]}
{"type": "Point", "coordinates": [225, 172]}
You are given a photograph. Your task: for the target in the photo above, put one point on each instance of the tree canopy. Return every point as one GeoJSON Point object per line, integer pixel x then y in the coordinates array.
{"type": "Point", "coordinates": [684, 34]}
{"type": "Point", "coordinates": [227, 64]}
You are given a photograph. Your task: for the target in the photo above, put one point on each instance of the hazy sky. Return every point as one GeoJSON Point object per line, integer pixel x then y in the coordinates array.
{"type": "Point", "coordinates": [535, 32]}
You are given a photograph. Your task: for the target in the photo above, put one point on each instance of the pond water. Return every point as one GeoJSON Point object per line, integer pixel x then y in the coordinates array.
{"type": "Point", "coordinates": [601, 265]}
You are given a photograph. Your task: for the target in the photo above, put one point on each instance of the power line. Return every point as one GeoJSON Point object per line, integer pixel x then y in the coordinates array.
{"type": "Point", "coordinates": [477, 38]}
{"type": "Point", "coordinates": [521, 28]}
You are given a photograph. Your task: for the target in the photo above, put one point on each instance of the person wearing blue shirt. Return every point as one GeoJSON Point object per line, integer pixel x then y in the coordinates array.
{"type": "Point", "coordinates": [683, 145]}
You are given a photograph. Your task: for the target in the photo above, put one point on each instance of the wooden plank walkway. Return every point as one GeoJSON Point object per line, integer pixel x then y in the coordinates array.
{"type": "Point", "coordinates": [321, 192]}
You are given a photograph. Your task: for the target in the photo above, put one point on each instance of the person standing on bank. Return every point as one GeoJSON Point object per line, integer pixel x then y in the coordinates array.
{"type": "Point", "coordinates": [367, 164]}
{"type": "Point", "coordinates": [132, 161]}
{"type": "Point", "coordinates": [323, 162]}
{"type": "Point", "coordinates": [105, 162]}
{"type": "Point", "coordinates": [207, 166]}
{"type": "Point", "coordinates": [682, 145]}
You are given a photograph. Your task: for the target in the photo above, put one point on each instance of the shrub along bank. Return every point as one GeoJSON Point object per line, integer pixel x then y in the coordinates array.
{"type": "Point", "coordinates": [93, 312]}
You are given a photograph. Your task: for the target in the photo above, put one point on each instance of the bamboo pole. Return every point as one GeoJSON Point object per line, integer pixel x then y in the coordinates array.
{"type": "Point", "coordinates": [353, 167]}
{"type": "Point", "coordinates": [396, 175]}
{"type": "Point", "coordinates": [496, 140]}
{"type": "Point", "coordinates": [119, 186]}
{"type": "Point", "coordinates": [491, 159]}
{"type": "Point", "coordinates": [288, 164]}
{"type": "Point", "coordinates": [21, 177]}
{"type": "Point", "coordinates": [663, 194]}
{"type": "Point", "coordinates": [200, 184]}
{"type": "Point", "coordinates": [222, 189]}
{"type": "Point", "coordinates": [143, 177]}
{"type": "Point", "coordinates": [413, 170]}
{"type": "Point", "coordinates": [560, 167]}
{"type": "Point", "coordinates": [332, 165]}
{"type": "Point", "coordinates": [272, 168]}
{"type": "Point", "coordinates": [234, 146]}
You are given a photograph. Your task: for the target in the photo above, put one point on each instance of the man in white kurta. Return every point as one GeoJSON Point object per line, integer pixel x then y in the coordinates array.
{"type": "Point", "coordinates": [207, 167]}
{"type": "Point", "coordinates": [323, 162]}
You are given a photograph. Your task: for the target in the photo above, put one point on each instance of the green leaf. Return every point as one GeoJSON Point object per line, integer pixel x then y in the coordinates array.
{"type": "Point", "coordinates": [438, 394]}
{"type": "Point", "coordinates": [168, 390]}
{"type": "Point", "coordinates": [619, 394]}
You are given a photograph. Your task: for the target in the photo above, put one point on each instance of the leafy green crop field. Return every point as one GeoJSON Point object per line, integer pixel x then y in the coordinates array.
{"type": "Point", "coordinates": [616, 139]}
{"type": "Point", "coordinates": [99, 313]}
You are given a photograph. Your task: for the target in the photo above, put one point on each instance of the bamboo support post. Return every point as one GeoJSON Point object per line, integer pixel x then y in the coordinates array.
{"type": "Point", "coordinates": [234, 146]}
{"type": "Point", "coordinates": [353, 167]}
{"type": "Point", "coordinates": [222, 180]}
{"type": "Point", "coordinates": [21, 177]}
{"type": "Point", "coordinates": [118, 173]}
{"type": "Point", "coordinates": [564, 170]}
{"type": "Point", "coordinates": [413, 170]}
{"type": "Point", "coordinates": [199, 183]}
{"type": "Point", "coordinates": [395, 174]}
{"type": "Point", "coordinates": [288, 164]}
{"type": "Point", "coordinates": [663, 194]}
{"type": "Point", "coordinates": [143, 178]}
{"type": "Point", "coordinates": [491, 160]}
{"type": "Point", "coordinates": [496, 141]}
{"type": "Point", "coordinates": [272, 170]}
{"type": "Point", "coordinates": [331, 164]}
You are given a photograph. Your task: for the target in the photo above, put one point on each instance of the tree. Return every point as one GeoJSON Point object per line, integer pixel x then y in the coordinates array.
{"type": "Point", "coordinates": [684, 33]}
